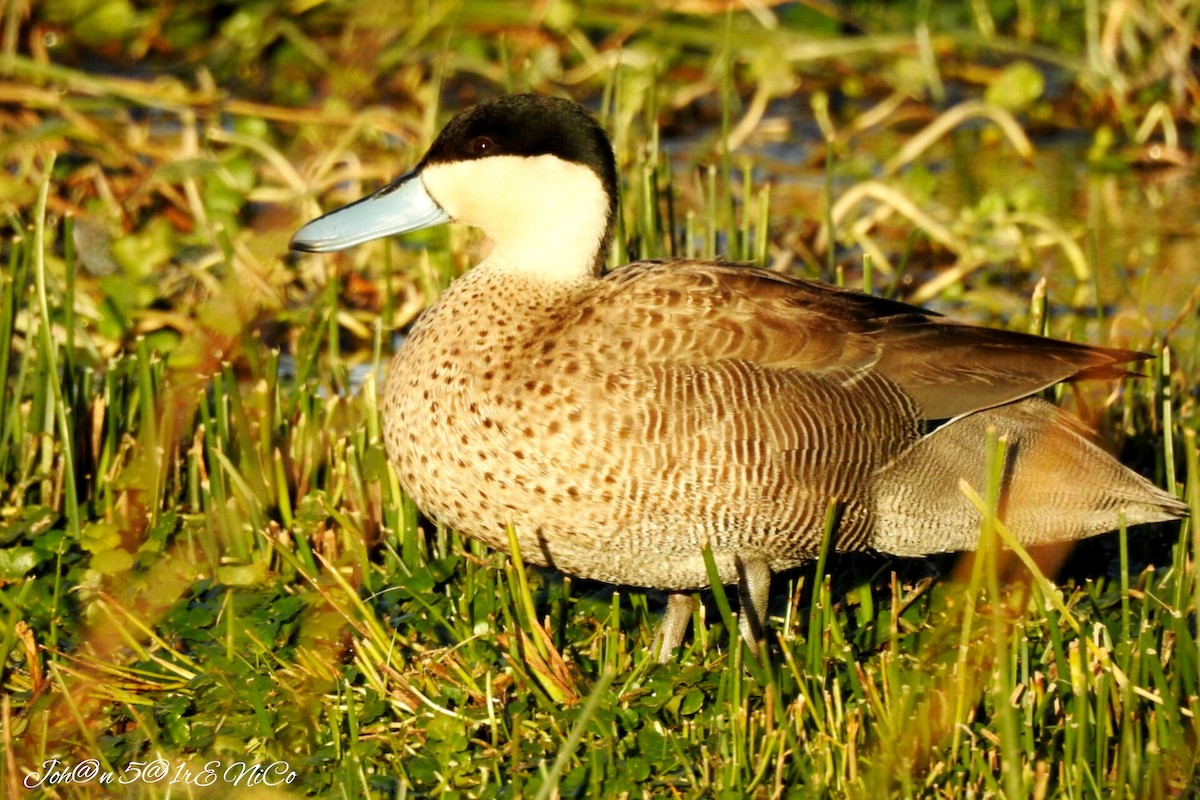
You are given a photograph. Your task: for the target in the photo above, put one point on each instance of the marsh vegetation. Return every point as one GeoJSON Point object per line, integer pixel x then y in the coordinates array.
{"type": "Point", "coordinates": [206, 557]}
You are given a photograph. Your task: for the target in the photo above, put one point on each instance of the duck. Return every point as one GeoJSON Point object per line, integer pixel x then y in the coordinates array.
{"type": "Point", "coordinates": [623, 421]}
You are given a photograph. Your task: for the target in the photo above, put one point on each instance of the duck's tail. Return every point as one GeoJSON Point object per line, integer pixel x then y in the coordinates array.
{"type": "Point", "coordinates": [1057, 486]}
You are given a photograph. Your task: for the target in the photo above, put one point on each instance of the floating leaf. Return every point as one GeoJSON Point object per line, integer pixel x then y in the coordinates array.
{"type": "Point", "coordinates": [1017, 87]}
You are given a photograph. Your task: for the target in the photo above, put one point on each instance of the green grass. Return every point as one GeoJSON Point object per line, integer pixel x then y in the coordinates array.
{"type": "Point", "coordinates": [208, 565]}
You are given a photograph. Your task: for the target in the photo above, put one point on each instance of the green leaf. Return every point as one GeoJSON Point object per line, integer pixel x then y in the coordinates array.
{"type": "Point", "coordinates": [112, 562]}
{"type": "Point", "coordinates": [98, 537]}
{"type": "Point", "coordinates": [16, 562]}
{"type": "Point", "coordinates": [253, 574]}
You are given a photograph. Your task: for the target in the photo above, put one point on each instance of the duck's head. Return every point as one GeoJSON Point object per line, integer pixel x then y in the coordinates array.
{"type": "Point", "coordinates": [535, 173]}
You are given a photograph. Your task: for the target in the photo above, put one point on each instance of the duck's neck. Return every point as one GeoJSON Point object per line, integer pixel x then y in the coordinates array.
{"type": "Point", "coordinates": [559, 260]}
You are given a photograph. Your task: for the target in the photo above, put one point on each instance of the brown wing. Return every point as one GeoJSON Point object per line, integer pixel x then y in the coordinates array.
{"type": "Point", "coordinates": [691, 312]}
{"type": "Point", "coordinates": [745, 458]}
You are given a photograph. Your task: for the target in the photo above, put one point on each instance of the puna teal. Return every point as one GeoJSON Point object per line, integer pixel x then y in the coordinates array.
{"type": "Point", "coordinates": [623, 420]}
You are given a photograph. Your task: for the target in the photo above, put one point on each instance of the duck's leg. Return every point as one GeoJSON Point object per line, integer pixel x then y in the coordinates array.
{"type": "Point", "coordinates": [754, 589]}
{"type": "Point", "coordinates": [680, 607]}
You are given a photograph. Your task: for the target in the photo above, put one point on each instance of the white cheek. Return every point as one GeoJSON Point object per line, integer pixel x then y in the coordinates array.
{"type": "Point", "coordinates": [459, 188]}
{"type": "Point", "coordinates": [544, 214]}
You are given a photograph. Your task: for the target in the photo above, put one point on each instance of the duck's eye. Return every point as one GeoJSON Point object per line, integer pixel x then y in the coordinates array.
{"type": "Point", "coordinates": [481, 145]}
